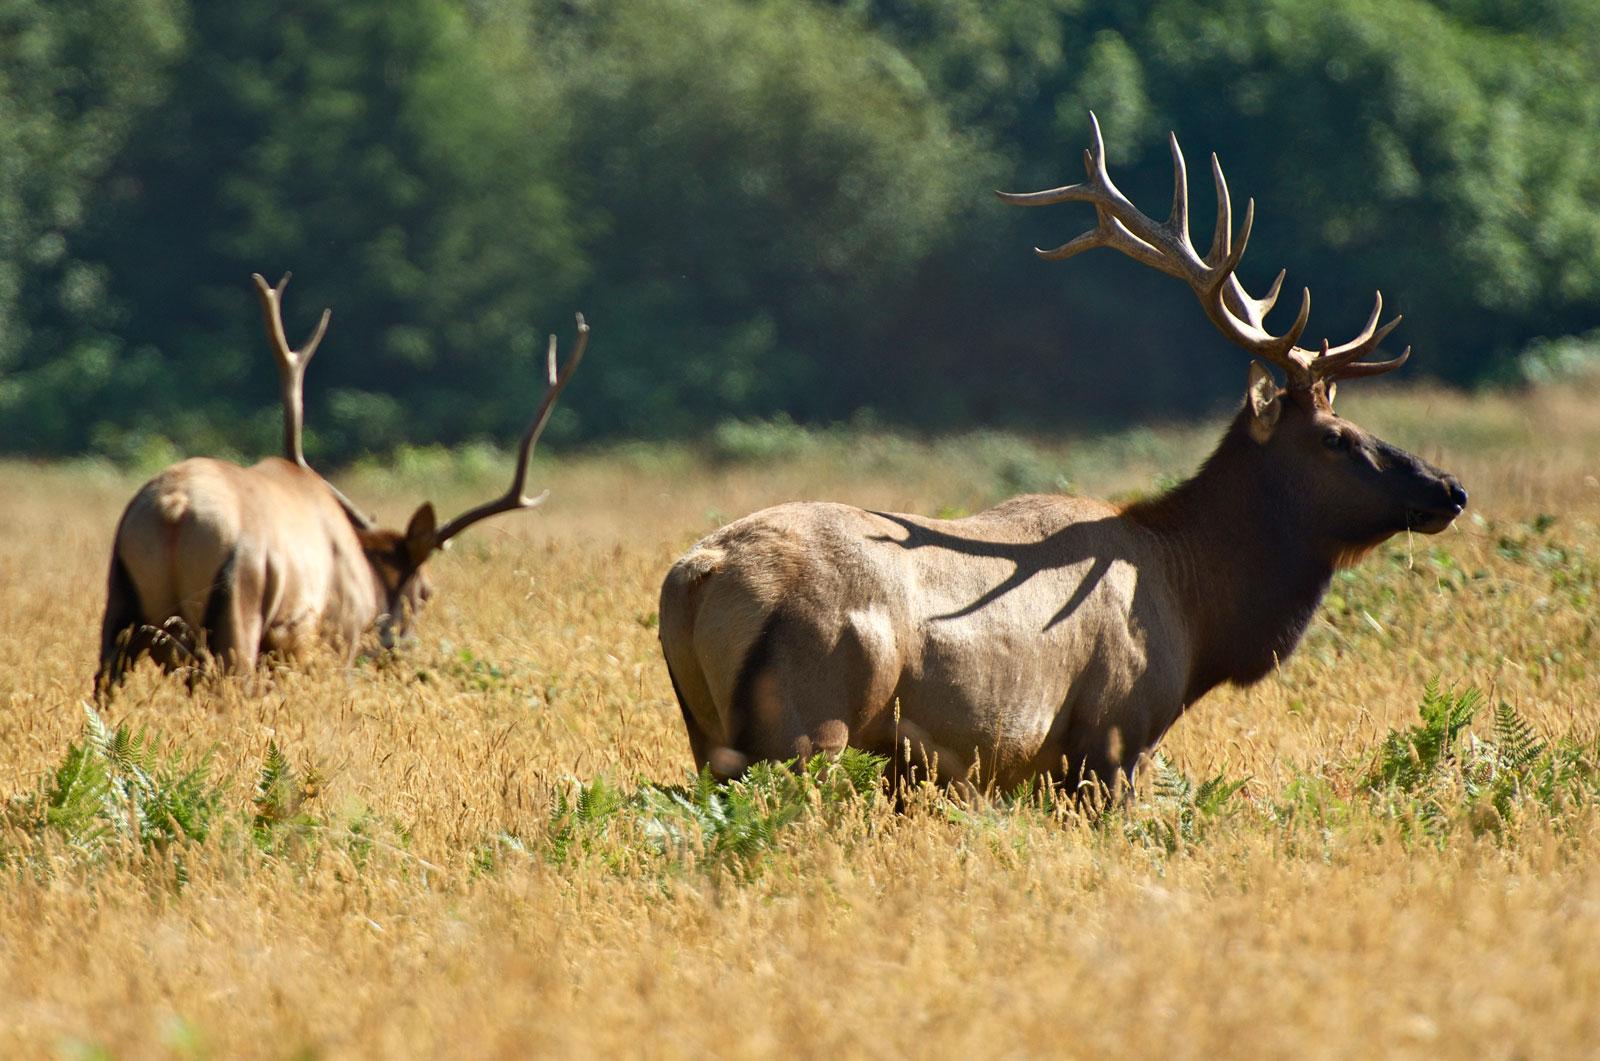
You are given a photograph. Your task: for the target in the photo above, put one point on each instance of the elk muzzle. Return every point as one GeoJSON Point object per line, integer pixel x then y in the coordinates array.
{"type": "Point", "coordinates": [1434, 498]}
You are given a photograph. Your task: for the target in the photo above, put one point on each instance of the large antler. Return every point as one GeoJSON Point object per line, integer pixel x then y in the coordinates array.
{"type": "Point", "coordinates": [516, 497]}
{"type": "Point", "coordinates": [291, 381]}
{"type": "Point", "coordinates": [1167, 246]}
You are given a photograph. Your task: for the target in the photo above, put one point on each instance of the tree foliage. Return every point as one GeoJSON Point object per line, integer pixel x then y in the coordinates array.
{"type": "Point", "coordinates": [764, 206]}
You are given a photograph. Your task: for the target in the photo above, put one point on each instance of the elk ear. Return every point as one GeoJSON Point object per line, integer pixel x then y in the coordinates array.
{"type": "Point", "coordinates": [420, 534]}
{"type": "Point", "coordinates": [1265, 402]}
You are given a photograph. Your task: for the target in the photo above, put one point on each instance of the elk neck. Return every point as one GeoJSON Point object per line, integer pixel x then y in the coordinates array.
{"type": "Point", "coordinates": [1247, 563]}
{"type": "Point", "coordinates": [384, 553]}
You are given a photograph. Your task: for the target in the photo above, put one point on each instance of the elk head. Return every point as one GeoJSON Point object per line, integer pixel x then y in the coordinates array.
{"type": "Point", "coordinates": [398, 558]}
{"type": "Point", "coordinates": [1351, 487]}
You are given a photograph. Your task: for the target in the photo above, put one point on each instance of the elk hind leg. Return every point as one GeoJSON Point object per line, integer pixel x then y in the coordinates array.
{"type": "Point", "coordinates": [123, 636]}
{"type": "Point", "coordinates": [804, 688]}
{"type": "Point", "coordinates": [699, 742]}
{"type": "Point", "coordinates": [232, 625]}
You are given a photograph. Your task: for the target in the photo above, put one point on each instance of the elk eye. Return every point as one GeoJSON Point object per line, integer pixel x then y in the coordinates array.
{"type": "Point", "coordinates": [1335, 440]}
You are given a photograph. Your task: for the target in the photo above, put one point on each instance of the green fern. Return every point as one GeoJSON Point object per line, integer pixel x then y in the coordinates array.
{"type": "Point", "coordinates": [1170, 784]}
{"type": "Point", "coordinates": [148, 795]}
{"type": "Point", "coordinates": [1517, 746]}
{"type": "Point", "coordinates": [75, 802]}
{"type": "Point", "coordinates": [1182, 810]}
{"type": "Point", "coordinates": [280, 800]}
{"type": "Point", "coordinates": [1215, 792]}
{"type": "Point", "coordinates": [732, 824]}
{"type": "Point", "coordinates": [1408, 759]}
{"type": "Point", "coordinates": [275, 786]}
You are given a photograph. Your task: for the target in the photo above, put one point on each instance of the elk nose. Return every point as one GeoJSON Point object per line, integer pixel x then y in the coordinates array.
{"type": "Point", "coordinates": [1458, 494]}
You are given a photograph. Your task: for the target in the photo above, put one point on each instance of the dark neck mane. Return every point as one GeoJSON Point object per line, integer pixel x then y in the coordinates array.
{"type": "Point", "coordinates": [1248, 568]}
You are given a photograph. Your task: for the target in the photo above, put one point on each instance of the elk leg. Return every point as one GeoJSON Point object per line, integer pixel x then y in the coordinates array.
{"type": "Point", "coordinates": [233, 630]}
{"type": "Point", "coordinates": [699, 743]}
{"type": "Point", "coordinates": [121, 642]}
{"type": "Point", "coordinates": [119, 655]}
{"type": "Point", "coordinates": [235, 644]}
{"type": "Point", "coordinates": [920, 758]}
{"type": "Point", "coordinates": [815, 687]}
{"type": "Point", "coordinates": [240, 649]}
{"type": "Point", "coordinates": [1103, 773]}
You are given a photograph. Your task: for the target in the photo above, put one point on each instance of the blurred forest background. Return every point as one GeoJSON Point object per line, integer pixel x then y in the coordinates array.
{"type": "Point", "coordinates": [766, 208]}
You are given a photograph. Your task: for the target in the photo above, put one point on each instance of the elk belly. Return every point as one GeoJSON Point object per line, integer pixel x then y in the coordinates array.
{"type": "Point", "coordinates": [984, 700]}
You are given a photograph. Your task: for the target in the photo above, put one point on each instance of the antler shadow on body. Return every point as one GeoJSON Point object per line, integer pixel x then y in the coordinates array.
{"type": "Point", "coordinates": [1051, 635]}
{"type": "Point", "coordinates": [1064, 549]}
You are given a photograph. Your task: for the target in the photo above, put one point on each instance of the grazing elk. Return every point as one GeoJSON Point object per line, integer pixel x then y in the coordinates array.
{"type": "Point", "coordinates": [215, 560]}
{"type": "Point", "coordinates": [1051, 636]}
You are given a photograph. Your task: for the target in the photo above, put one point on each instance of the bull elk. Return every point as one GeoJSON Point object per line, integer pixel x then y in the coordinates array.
{"type": "Point", "coordinates": [215, 560]}
{"type": "Point", "coordinates": [1052, 636]}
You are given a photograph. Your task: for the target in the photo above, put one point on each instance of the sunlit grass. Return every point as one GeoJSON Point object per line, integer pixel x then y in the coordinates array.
{"type": "Point", "coordinates": [495, 842]}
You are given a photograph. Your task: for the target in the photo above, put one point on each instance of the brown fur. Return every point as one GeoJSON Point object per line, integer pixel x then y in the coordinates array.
{"type": "Point", "coordinates": [1046, 636]}
{"type": "Point", "coordinates": [232, 562]}
{"type": "Point", "coordinates": [224, 563]}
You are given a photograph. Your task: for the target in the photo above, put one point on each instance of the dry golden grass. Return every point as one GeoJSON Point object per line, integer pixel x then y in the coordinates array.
{"type": "Point", "coordinates": [411, 924]}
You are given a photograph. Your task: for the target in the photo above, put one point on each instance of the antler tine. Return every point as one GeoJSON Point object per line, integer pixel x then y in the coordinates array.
{"type": "Point", "coordinates": [1111, 232]}
{"type": "Point", "coordinates": [291, 381]}
{"type": "Point", "coordinates": [291, 363]}
{"type": "Point", "coordinates": [272, 313]}
{"type": "Point", "coordinates": [1168, 246]}
{"type": "Point", "coordinates": [516, 497]}
{"type": "Point", "coordinates": [1368, 331]}
{"type": "Point", "coordinates": [1097, 187]}
{"type": "Point", "coordinates": [1363, 344]}
{"type": "Point", "coordinates": [1178, 218]}
{"type": "Point", "coordinates": [1224, 230]}
{"type": "Point", "coordinates": [1270, 299]}
{"type": "Point", "coordinates": [1097, 151]}
{"type": "Point", "coordinates": [1113, 211]}
{"type": "Point", "coordinates": [1361, 369]}
{"type": "Point", "coordinates": [1224, 255]}
{"type": "Point", "coordinates": [1250, 334]}
{"type": "Point", "coordinates": [1299, 326]}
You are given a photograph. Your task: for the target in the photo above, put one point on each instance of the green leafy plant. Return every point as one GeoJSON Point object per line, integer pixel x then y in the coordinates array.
{"type": "Point", "coordinates": [119, 787]}
{"type": "Point", "coordinates": [282, 796]}
{"type": "Point", "coordinates": [710, 823]}
{"type": "Point", "coordinates": [1180, 810]}
{"type": "Point", "coordinates": [1409, 758]}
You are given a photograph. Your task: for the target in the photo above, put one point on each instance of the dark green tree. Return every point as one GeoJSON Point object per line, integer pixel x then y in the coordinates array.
{"type": "Point", "coordinates": [75, 77]}
{"type": "Point", "coordinates": [380, 152]}
{"type": "Point", "coordinates": [764, 206]}
{"type": "Point", "coordinates": [769, 180]}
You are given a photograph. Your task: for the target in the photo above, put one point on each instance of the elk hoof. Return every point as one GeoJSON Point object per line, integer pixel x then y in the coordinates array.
{"type": "Point", "coordinates": [727, 764]}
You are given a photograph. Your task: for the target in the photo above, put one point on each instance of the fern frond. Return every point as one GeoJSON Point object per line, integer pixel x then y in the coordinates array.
{"type": "Point", "coordinates": [1216, 791]}
{"type": "Point", "coordinates": [1516, 743]}
{"type": "Point", "coordinates": [99, 734]}
{"type": "Point", "coordinates": [1170, 783]}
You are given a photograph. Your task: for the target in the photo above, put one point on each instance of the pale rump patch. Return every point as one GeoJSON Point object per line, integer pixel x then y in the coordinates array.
{"type": "Point", "coordinates": [172, 503]}
{"type": "Point", "coordinates": [701, 561]}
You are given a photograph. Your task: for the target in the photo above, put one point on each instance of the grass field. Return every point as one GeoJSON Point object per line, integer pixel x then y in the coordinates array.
{"type": "Point", "coordinates": [494, 845]}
